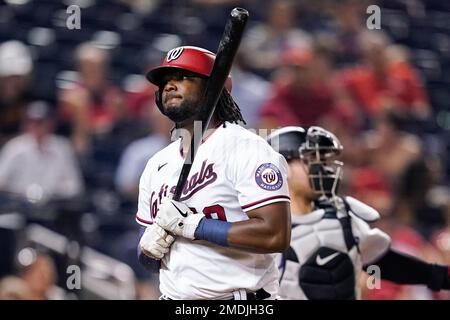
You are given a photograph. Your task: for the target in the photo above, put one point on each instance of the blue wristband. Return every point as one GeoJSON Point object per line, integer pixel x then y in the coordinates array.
{"type": "Point", "coordinates": [215, 231]}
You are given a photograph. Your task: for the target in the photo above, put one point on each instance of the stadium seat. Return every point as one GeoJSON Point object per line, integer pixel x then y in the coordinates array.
{"type": "Point", "coordinates": [428, 62]}
{"type": "Point", "coordinates": [45, 87]}
{"type": "Point", "coordinates": [437, 5]}
{"type": "Point", "coordinates": [397, 24]}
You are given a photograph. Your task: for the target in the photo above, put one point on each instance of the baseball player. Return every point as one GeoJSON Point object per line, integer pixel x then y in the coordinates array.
{"type": "Point", "coordinates": [332, 241]}
{"type": "Point", "coordinates": [219, 240]}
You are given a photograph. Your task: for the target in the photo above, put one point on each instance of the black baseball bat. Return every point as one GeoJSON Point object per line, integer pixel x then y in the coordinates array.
{"type": "Point", "coordinates": [226, 52]}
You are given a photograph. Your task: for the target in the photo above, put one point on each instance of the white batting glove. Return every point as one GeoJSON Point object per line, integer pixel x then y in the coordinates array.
{"type": "Point", "coordinates": [176, 217]}
{"type": "Point", "coordinates": [155, 242]}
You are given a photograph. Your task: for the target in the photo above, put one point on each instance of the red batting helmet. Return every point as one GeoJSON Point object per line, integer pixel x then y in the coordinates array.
{"type": "Point", "coordinates": [189, 58]}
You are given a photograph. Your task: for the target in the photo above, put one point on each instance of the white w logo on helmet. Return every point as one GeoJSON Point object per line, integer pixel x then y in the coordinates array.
{"type": "Point", "coordinates": [174, 54]}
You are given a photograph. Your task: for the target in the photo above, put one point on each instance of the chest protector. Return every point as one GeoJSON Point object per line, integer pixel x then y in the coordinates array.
{"type": "Point", "coordinates": [322, 262]}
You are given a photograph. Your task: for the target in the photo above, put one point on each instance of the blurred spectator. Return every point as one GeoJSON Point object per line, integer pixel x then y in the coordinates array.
{"type": "Point", "coordinates": [347, 132]}
{"type": "Point", "coordinates": [40, 277]}
{"type": "Point", "coordinates": [14, 288]}
{"type": "Point", "coordinates": [441, 238]}
{"type": "Point", "coordinates": [349, 22]}
{"type": "Point", "coordinates": [94, 105]}
{"type": "Point", "coordinates": [136, 155]}
{"type": "Point", "coordinates": [406, 230]}
{"type": "Point", "coordinates": [143, 7]}
{"type": "Point", "coordinates": [140, 98]}
{"type": "Point", "coordinates": [249, 91]}
{"type": "Point", "coordinates": [389, 149]}
{"type": "Point", "coordinates": [15, 75]}
{"type": "Point", "coordinates": [264, 43]}
{"type": "Point", "coordinates": [35, 281]}
{"type": "Point", "coordinates": [416, 205]}
{"type": "Point", "coordinates": [39, 165]}
{"type": "Point", "coordinates": [384, 80]}
{"type": "Point", "coordinates": [300, 95]}
{"type": "Point", "coordinates": [407, 240]}
{"type": "Point", "coordinates": [369, 186]}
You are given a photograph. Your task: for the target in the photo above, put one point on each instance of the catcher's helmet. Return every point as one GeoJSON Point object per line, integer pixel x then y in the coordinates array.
{"type": "Point", "coordinates": [287, 141]}
{"type": "Point", "coordinates": [315, 146]}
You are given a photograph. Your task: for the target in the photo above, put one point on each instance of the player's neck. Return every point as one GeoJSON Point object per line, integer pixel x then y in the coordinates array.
{"type": "Point", "coordinates": [192, 124]}
{"type": "Point", "coordinates": [191, 127]}
{"type": "Point", "coordinates": [300, 205]}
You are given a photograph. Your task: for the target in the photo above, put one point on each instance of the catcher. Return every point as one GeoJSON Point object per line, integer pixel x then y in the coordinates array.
{"type": "Point", "coordinates": [332, 241]}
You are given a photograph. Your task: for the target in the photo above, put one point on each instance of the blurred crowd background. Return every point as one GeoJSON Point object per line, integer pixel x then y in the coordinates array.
{"type": "Point", "coordinates": [78, 123]}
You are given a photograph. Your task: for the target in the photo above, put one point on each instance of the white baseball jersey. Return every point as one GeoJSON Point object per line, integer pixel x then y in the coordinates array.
{"type": "Point", "coordinates": [234, 171]}
{"type": "Point", "coordinates": [328, 251]}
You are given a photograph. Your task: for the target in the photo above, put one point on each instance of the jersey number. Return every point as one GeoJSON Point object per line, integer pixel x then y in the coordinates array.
{"type": "Point", "coordinates": [213, 212]}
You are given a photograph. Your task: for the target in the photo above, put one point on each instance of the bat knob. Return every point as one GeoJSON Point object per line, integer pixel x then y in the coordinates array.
{"type": "Point", "coordinates": [239, 13]}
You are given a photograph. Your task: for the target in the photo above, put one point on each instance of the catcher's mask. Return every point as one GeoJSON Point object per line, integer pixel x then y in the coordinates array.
{"type": "Point", "coordinates": [318, 152]}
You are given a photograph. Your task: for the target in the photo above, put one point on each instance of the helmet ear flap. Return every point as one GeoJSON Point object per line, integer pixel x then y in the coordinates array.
{"type": "Point", "coordinates": [158, 101]}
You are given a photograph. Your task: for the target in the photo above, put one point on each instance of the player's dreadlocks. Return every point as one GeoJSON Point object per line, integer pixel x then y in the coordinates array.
{"type": "Point", "coordinates": [227, 109]}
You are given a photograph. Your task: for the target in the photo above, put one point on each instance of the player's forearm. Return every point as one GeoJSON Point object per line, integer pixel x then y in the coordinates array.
{"type": "Point", "coordinates": [254, 235]}
{"type": "Point", "coordinates": [257, 235]}
{"type": "Point", "coordinates": [267, 230]}
{"type": "Point", "coordinates": [404, 269]}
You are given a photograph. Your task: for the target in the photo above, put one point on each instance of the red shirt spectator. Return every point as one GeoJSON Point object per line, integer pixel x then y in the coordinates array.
{"type": "Point", "coordinates": [101, 113]}
{"type": "Point", "coordinates": [398, 86]}
{"type": "Point", "coordinates": [288, 106]}
{"type": "Point", "coordinates": [300, 94]}
{"type": "Point", "coordinates": [94, 105]}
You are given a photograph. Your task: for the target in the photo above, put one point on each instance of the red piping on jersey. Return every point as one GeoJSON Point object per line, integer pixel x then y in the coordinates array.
{"type": "Point", "coordinates": [144, 221]}
{"type": "Point", "coordinates": [203, 140]}
{"type": "Point", "coordinates": [264, 200]}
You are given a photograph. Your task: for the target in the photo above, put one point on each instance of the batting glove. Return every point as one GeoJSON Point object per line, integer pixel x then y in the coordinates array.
{"type": "Point", "coordinates": [155, 242]}
{"type": "Point", "coordinates": [176, 217]}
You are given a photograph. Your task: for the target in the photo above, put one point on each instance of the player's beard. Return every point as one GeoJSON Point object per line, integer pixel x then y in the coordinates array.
{"type": "Point", "coordinates": [184, 111]}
